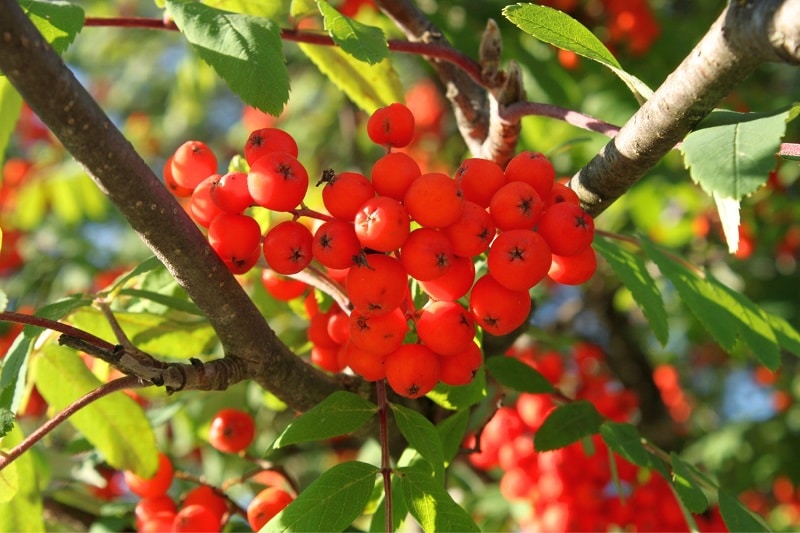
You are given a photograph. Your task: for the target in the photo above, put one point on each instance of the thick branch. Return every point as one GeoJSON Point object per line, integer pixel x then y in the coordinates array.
{"type": "Point", "coordinates": [745, 35]}
{"type": "Point", "coordinates": [56, 96]}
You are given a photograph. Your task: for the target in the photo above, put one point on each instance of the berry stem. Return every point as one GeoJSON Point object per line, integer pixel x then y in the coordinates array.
{"type": "Point", "coordinates": [126, 382]}
{"type": "Point", "coordinates": [386, 469]}
{"type": "Point", "coordinates": [32, 320]}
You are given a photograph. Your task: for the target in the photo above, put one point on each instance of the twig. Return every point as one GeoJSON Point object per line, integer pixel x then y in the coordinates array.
{"type": "Point", "coordinates": [386, 467]}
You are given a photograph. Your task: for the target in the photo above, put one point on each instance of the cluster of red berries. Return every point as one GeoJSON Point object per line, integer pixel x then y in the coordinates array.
{"type": "Point", "coordinates": [204, 508]}
{"type": "Point", "coordinates": [571, 489]}
{"type": "Point", "coordinates": [397, 224]}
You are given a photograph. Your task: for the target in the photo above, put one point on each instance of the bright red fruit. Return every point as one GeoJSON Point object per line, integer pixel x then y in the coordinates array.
{"type": "Point", "coordinates": [266, 505]}
{"type": "Point", "coordinates": [434, 200]}
{"type": "Point", "coordinates": [377, 284]}
{"type": "Point", "coordinates": [266, 140]}
{"type": "Point", "coordinates": [287, 247]}
{"type": "Point", "coordinates": [277, 181]}
{"type": "Point", "coordinates": [519, 259]}
{"type": "Point", "coordinates": [567, 228]}
{"type": "Point", "coordinates": [345, 193]}
{"type": "Point", "coordinates": [461, 368]}
{"type": "Point", "coordinates": [382, 224]}
{"type": "Point", "coordinates": [192, 162]}
{"type": "Point", "coordinates": [427, 254]}
{"type": "Point", "coordinates": [234, 237]}
{"type": "Point", "coordinates": [447, 328]}
{"type": "Point", "coordinates": [412, 370]}
{"type": "Point", "coordinates": [153, 486]}
{"type": "Point", "coordinates": [232, 430]}
{"type": "Point", "coordinates": [533, 168]}
{"type": "Point", "coordinates": [479, 179]}
{"type": "Point", "coordinates": [231, 194]}
{"type": "Point", "coordinates": [496, 309]}
{"type": "Point", "coordinates": [195, 519]}
{"type": "Point", "coordinates": [574, 269]}
{"type": "Point", "coordinates": [281, 287]}
{"type": "Point", "coordinates": [393, 173]}
{"type": "Point", "coordinates": [336, 244]}
{"type": "Point", "coordinates": [391, 126]}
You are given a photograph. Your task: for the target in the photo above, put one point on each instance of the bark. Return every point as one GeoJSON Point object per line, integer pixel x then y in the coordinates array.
{"type": "Point", "coordinates": [746, 34]}
{"type": "Point", "coordinates": [252, 349]}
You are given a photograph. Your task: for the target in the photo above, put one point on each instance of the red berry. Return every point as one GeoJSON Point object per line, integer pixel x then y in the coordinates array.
{"type": "Point", "coordinates": [169, 181]}
{"type": "Point", "coordinates": [574, 269]}
{"type": "Point", "coordinates": [461, 368]}
{"type": "Point", "coordinates": [427, 254]}
{"type": "Point", "coordinates": [496, 309]}
{"type": "Point", "coordinates": [366, 364]}
{"type": "Point", "coordinates": [281, 287]}
{"type": "Point", "coordinates": [287, 247]}
{"type": "Point", "coordinates": [153, 486]}
{"type": "Point", "coordinates": [382, 224]}
{"type": "Point", "coordinates": [377, 284]}
{"type": "Point", "coordinates": [195, 519]}
{"type": "Point", "coordinates": [277, 181]}
{"type": "Point", "coordinates": [192, 162]}
{"type": "Point", "coordinates": [434, 200]}
{"type": "Point", "coordinates": [519, 259]}
{"type": "Point", "coordinates": [516, 205]}
{"type": "Point", "coordinates": [202, 207]}
{"type": "Point", "coordinates": [561, 193]}
{"type": "Point", "coordinates": [266, 505]}
{"type": "Point", "coordinates": [412, 370]}
{"type": "Point", "coordinates": [447, 328]}
{"type": "Point", "coordinates": [234, 237]}
{"type": "Point", "coordinates": [379, 334]}
{"type": "Point", "coordinates": [232, 430]}
{"type": "Point", "coordinates": [393, 173]}
{"type": "Point", "coordinates": [231, 194]}
{"type": "Point", "coordinates": [391, 126]}
{"type": "Point", "coordinates": [472, 233]}
{"type": "Point", "coordinates": [344, 194]}
{"type": "Point", "coordinates": [147, 508]}
{"type": "Point", "coordinates": [336, 244]}
{"type": "Point", "coordinates": [453, 285]}
{"type": "Point", "coordinates": [533, 168]}
{"type": "Point", "coordinates": [567, 228]}
{"type": "Point", "coordinates": [479, 179]}
{"type": "Point", "coordinates": [209, 498]}
{"type": "Point", "coordinates": [267, 140]}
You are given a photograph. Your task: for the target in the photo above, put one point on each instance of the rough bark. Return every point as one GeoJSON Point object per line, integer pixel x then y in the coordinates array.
{"type": "Point", "coordinates": [746, 34]}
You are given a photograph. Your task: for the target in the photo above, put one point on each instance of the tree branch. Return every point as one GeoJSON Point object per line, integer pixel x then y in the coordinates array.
{"type": "Point", "coordinates": [746, 34]}
{"type": "Point", "coordinates": [55, 95]}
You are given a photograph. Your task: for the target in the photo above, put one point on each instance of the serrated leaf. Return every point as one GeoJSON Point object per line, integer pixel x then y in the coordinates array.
{"type": "Point", "coordinates": [561, 30]}
{"type": "Point", "coordinates": [451, 432]}
{"type": "Point", "coordinates": [631, 269]}
{"type": "Point", "coordinates": [245, 51]}
{"type": "Point", "coordinates": [420, 434]}
{"type": "Point", "coordinates": [24, 512]}
{"type": "Point", "coordinates": [689, 492]}
{"type": "Point", "coordinates": [6, 421]}
{"type": "Point", "coordinates": [566, 424]}
{"type": "Point", "coordinates": [331, 503]}
{"type": "Point", "coordinates": [788, 337]}
{"type": "Point", "coordinates": [737, 517]}
{"type": "Point", "coordinates": [339, 414]}
{"type": "Point", "coordinates": [145, 266]}
{"type": "Point", "coordinates": [363, 42]}
{"type": "Point", "coordinates": [10, 107]}
{"type": "Point", "coordinates": [731, 154]}
{"type": "Point", "coordinates": [58, 22]}
{"type": "Point", "coordinates": [430, 504]}
{"type": "Point", "coordinates": [626, 441]}
{"type": "Point", "coordinates": [515, 374]}
{"type": "Point", "coordinates": [368, 86]}
{"type": "Point", "coordinates": [108, 423]}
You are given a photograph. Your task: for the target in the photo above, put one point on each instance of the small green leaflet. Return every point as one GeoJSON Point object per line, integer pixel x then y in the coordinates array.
{"type": "Point", "coordinates": [6, 421]}
{"type": "Point", "coordinates": [246, 52]}
{"type": "Point", "coordinates": [365, 43]}
{"type": "Point", "coordinates": [339, 414]}
{"type": "Point", "coordinates": [58, 22]}
{"type": "Point", "coordinates": [10, 106]}
{"type": "Point", "coordinates": [626, 441]}
{"type": "Point", "coordinates": [420, 434]}
{"type": "Point", "coordinates": [690, 493]}
{"type": "Point", "coordinates": [566, 424]}
{"type": "Point", "coordinates": [9, 483]}
{"type": "Point", "coordinates": [561, 30]}
{"type": "Point", "coordinates": [22, 513]}
{"type": "Point", "coordinates": [632, 271]}
{"type": "Point", "coordinates": [108, 423]}
{"type": "Point", "coordinates": [515, 374]}
{"type": "Point", "coordinates": [451, 432]}
{"type": "Point", "coordinates": [430, 504]}
{"type": "Point", "coordinates": [331, 503]}
{"type": "Point", "coordinates": [737, 517]}
{"type": "Point", "coordinates": [12, 373]}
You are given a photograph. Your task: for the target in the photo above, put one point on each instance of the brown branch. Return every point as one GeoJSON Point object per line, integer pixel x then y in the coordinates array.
{"type": "Point", "coordinates": [55, 95]}
{"type": "Point", "coordinates": [747, 34]}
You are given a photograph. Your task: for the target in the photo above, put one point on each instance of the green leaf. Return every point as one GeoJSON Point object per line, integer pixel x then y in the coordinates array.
{"type": "Point", "coordinates": [331, 503]}
{"type": "Point", "coordinates": [787, 336]}
{"type": "Point", "coordinates": [462, 396]}
{"type": "Point", "coordinates": [368, 86]}
{"type": "Point", "coordinates": [566, 424]}
{"type": "Point", "coordinates": [365, 43]}
{"type": "Point", "coordinates": [561, 30]}
{"type": "Point", "coordinates": [9, 484]}
{"type": "Point", "coordinates": [626, 441]}
{"type": "Point", "coordinates": [108, 423]}
{"type": "Point", "coordinates": [399, 508]}
{"type": "Point", "coordinates": [515, 374]}
{"type": "Point", "coordinates": [690, 493]}
{"type": "Point", "coordinates": [145, 266]}
{"type": "Point", "coordinates": [246, 52]}
{"type": "Point", "coordinates": [420, 434]}
{"type": "Point", "coordinates": [58, 22]}
{"type": "Point", "coordinates": [451, 432]}
{"type": "Point", "coordinates": [730, 154]}
{"type": "Point", "coordinates": [24, 512]}
{"type": "Point", "coordinates": [631, 269]}
{"type": "Point", "coordinates": [10, 107]}
{"type": "Point", "coordinates": [430, 504]}
{"type": "Point", "coordinates": [12, 377]}
{"type": "Point", "coordinates": [737, 517]}
{"type": "Point", "coordinates": [178, 304]}
{"type": "Point", "coordinates": [6, 421]}
{"type": "Point", "coordinates": [340, 413]}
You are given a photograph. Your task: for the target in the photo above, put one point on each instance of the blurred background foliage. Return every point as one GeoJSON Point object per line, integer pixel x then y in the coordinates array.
{"type": "Point", "coordinates": [61, 237]}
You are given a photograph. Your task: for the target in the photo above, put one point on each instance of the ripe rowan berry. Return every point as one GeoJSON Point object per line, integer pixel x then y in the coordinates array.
{"type": "Point", "coordinates": [230, 192]}
{"type": "Point", "coordinates": [377, 284]}
{"type": "Point", "coordinates": [479, 179]}
{"type": "Point", "coordinates": [427, 254]}
{"type": "Point", "coordinates": [382, 224]}
{"type": "Point", "coordinates": [472, 233]}
{"type": "Point", "coordinates": [266, 140]}
{"type": "Point", "coordinates": [192, 162]}
{"type": "Point", "coordinates": [281, 287]}
{"type": "Point", "coordinates": [318, 330]}
{"type": "Point", "coordinates": [336, 244]}
{"type": "Point", "coordinates": [157, 484]}
{"type": "Point", "coordinates": [393, 173]}
{"type": "Point", "coordinates": [412, 370]}
{"type": "Point", "coordinates": [567, 228]}
{"type": "Point", "coordinates": [379, 334]}
{"type": "Point", "coordinates": [287, 247]}
{"type": "Point", "coordinates": [147, 508]}
{"type": "Point", "coordinates": [338, 326]}
{"type": "Point", "coordinates": [453, 285]}
{"type": "Point", "coordinates": [434, 200]}
{"type": "Point", "coordinates": [169, 181]}
{"type": "Point", "coordinates": [265, 505]}
{"type": "Point", "coordinates": [209, 498]}
{"type": "Point", "coordinates": [234, 237]}
{"type": "Point", "coordinates": [344, 193]}
{"type": "Point", "coordinates": [202, 207]}
{"type": "Point", "coordinates": [195, 519]}
{"type": "Point", "coordinates": [533, 168]}
{"type": "Point", "coordinates": [519, 259]}
{"type": "Point", "coordinates": [231, 430]}
{"type": "Point", "coordinates": [461, 368]}
{"type": "Point", "coordinates": [496, 309]}
{"type": "Point", "coordinates": [391, 126]}
{"type": "Point", "coordinates": [574, 269]}
{"type": "Point", "coordinates": [366, 364]}
{"type": "Point", "coordinates": [516, 205]}
{"type": "Point", "coordinates": [277, 181]}
{"type": "Point", "coordinates": [447, 328]}
{"type": "Point", "coordinates": [561, 193]}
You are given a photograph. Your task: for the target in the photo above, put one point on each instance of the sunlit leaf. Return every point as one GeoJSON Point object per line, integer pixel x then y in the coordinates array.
{"type": "Point", "coordinates": [10, 106]}
{"type": "Point", "coordinates": [363, 42]}
{"type": "Point", "coordinates": [58, 22]}
{"type": "Point", "coordinates": [420, 434]}
{"type": "Point", "coordinates": [566, 424]}
{"type": "Point", "coordinates": [461, 396]}
{"type": "Point", "coordinates": [686, 486]}
{"type": "Point", "coordinates": [23, 513]}
{"type": "Point", "coordinates": [516, 375]}
{"type": "Point", "coordinates": [430, 504]}
{"type": "Point", "coordinates": [626, 441]}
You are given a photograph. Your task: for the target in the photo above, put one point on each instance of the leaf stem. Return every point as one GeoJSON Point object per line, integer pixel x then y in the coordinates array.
{"type": "Point", "coordinates": [126, 382]}
{"type": "Point", "coordinates": [38, 321]}
{"type": "Point", "coordinates": [386, 469]}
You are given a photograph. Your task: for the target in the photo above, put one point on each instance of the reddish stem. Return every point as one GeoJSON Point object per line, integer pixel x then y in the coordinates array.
{"type": "Point", "coordinates": [386, 467]}
{"type": "Point", "coordinates": [66, 329]}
